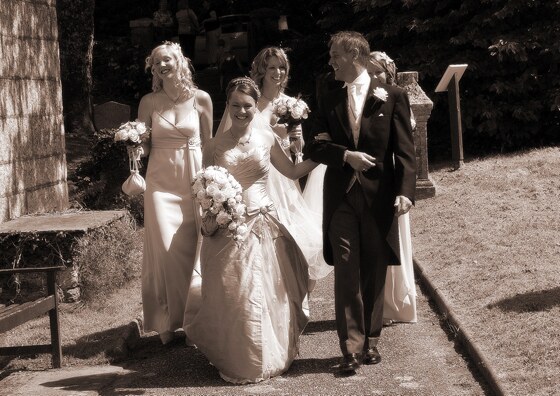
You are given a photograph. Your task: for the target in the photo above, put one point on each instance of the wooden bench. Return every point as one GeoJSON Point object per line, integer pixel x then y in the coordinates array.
{"type": "Point", "coordinates": [16, 314]}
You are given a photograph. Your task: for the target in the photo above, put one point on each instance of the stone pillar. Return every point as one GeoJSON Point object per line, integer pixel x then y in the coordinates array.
{"type": "Point", "coordinates": [422, 108]}
{"type": "Point", "coordinates": [32, 151]}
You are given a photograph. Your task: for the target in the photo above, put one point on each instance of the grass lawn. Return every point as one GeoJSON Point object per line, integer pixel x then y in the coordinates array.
{"type": "Point", "coordinates": [490, 242]}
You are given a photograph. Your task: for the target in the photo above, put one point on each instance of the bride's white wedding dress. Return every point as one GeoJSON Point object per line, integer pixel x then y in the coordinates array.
{"type": "Point", "coordinates": [251, 314]}
{"type": "Point", "coordinates": [302, 220]}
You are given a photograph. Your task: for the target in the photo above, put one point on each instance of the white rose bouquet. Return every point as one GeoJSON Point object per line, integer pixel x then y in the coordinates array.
{"type": "Point", "coordinates": [219, 195]}
{"type": "Point", "coordinates": [133, 134]}
{"type": "Point", "coordinates": [291, 111]}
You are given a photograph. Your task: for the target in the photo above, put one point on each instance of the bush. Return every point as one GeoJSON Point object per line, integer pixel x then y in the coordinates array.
{"type": "Point", "coordinates": [107, 259]}
{"type": "Point", "coordinates": [118, 71]}
{"type": "Point", "coordinates": [98, 180]}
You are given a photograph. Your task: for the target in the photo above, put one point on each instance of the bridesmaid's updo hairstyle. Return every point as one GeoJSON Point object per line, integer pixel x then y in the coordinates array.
{"type": "Point", "coordinates": [244, 85]}
{"type": "Point", "coordinates": [260, 63]}
{"type": "Point", "coordinates": [184, 81]}
{"type": "Point", "coordinates": [352, 40]}
{"type": "Point", "coordinates": [384, 62]}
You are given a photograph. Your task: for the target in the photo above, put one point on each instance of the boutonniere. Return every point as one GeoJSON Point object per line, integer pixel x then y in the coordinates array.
{"type": "Point", "coordinates": [380, 94]}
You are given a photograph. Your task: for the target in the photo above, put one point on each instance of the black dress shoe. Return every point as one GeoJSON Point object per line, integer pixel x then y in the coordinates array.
{"type": "Point", "coordinates": [371, 356]}
{"type": "Point", "coordinates": [350, 363]}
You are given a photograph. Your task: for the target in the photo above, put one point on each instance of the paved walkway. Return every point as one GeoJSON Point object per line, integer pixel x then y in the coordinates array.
{"type": "Point", "coordinates": [418, 359]}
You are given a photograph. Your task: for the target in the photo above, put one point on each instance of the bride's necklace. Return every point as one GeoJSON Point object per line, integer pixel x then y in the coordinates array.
{"type": "Point", "coordinates": [174, 101]}
{"type": "Point", "coordinates": [242, 143]}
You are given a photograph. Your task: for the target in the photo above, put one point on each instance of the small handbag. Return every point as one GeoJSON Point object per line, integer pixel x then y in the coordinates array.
{"type": "Point", "coordinates": [135, 183]}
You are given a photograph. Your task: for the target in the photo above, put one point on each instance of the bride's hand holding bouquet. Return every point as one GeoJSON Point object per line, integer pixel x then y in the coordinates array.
{"type": "Point", "coordinates": [220, 197]}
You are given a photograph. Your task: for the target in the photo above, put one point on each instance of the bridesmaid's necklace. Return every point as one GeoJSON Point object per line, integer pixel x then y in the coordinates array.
{"type": "Point", "coordinates": [239, 142]}
{"type": "Point", "coordinates": [174, 101]}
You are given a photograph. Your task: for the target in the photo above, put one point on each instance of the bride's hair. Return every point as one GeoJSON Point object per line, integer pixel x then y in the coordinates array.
{"type": "Point", "coordinates": [244, 85]}
{"type": "Point", "coordinates": [260, 63]}
{"type": "Point", "coordinates": [184, 80]}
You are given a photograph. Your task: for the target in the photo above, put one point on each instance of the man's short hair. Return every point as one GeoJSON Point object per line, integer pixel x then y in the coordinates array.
{"type": "Point", "coordinates": [350, 40]}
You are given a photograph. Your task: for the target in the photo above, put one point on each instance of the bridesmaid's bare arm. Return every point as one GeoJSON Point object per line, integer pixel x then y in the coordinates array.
{"type": "Point", "coordinates": [205, 109]}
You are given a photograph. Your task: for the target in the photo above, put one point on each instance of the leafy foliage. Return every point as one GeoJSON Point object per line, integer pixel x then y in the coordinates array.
{"type": "Point", "coordinates": [118, 69]}
{"type": "Point", "coordinates": [510, 93]}
{"type": "Point", "coordinates": [75, 31]}
{"type": "Point", "coordinates": [99, 179]}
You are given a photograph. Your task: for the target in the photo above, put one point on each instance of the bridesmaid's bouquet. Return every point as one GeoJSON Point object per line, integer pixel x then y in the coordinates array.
{"type": "Point", "coordinates": [133, 134]}
{"type": "Point", "coordinates": [291, 111]}
{"type": "Point", "coordinates": [219, 195]}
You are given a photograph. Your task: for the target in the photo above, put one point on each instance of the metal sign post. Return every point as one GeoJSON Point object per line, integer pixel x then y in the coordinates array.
{"type": "Point", "coordinates": [450, 83]}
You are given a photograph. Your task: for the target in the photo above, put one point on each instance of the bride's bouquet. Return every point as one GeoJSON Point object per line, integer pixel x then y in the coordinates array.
{"type": "Point", "coordinates": [219, 195]}
{"type": "Point", "coordinates": [291, 111]}
{"type": "Point", "coordinates": [133, 134]}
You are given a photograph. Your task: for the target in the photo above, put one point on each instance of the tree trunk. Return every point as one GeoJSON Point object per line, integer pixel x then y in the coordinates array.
{"type": "Point", "coordinates": [75, 35]}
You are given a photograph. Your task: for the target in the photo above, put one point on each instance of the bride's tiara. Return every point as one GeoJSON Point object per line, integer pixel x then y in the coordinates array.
{"type": "Point", "coordinates": [245, 81]}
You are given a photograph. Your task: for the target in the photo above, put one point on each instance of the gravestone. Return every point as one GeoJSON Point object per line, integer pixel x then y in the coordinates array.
{"type": "Point", "coordinates": [422, 108]}
{"type": "Point", "coordinates": [142, 32]}
{"type": "Point", "coordinates": [110, 115]}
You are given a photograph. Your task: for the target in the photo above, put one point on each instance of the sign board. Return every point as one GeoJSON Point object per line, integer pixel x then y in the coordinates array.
{"type": "Point", "coordinates": [452, 70]}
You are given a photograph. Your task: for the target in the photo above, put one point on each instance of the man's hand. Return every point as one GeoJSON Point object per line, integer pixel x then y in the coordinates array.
{"type": "Point", "coordinates": [323, 136]}
{"type": "Point", "coordinates": [402, 205]}
{"type": "Point", "coordinates": [361, 162]}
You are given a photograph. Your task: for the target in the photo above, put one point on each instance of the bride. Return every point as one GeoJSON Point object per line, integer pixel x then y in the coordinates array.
{"type": "Point", "coordinates": [251, 314]}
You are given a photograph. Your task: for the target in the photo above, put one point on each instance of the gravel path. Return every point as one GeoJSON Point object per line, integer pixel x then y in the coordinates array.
{"type": "Point", "coordinates": [418, 359]}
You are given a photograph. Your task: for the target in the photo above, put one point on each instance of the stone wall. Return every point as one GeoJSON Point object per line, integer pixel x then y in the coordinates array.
{"type": "Point", "coordinates": [32, 151]}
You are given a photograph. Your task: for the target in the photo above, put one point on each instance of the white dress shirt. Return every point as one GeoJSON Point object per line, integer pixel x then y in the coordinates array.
{"type": "Point", "coordinates": [357, 93]}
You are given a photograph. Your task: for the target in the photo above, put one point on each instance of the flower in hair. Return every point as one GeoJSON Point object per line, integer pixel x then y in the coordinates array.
{"type": "Point", "coordinates": [174, 46]}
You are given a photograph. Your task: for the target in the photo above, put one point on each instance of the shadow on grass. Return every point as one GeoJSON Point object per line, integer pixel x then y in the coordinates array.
{"type": "Point", "coordinates": [543, 300]}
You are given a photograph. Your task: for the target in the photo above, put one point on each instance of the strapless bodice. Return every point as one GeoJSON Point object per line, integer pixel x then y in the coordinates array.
{"type": "Point", "coordinates": [250, 169]}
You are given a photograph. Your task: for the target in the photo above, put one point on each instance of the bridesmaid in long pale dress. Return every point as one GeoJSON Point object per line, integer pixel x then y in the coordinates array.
{"type": "Point", "coordinates": [181, 119]}
{"type": "Point", "coordinates": [251, 314]}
